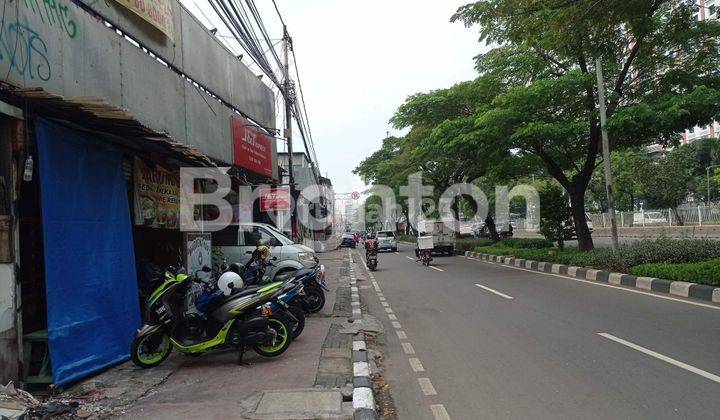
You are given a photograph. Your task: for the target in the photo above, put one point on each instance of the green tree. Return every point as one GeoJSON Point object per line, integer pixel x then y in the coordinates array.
{"type": "Point", "coordinates": [556, 222]}
{"type": "Point", "coordinates": [666, 182]}
{"type": "Point", "coordinates": [660, 65]}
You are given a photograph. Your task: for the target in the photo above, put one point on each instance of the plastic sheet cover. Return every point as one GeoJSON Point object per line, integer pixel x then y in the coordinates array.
{"type": "Point", "coordinates": [91, 285]}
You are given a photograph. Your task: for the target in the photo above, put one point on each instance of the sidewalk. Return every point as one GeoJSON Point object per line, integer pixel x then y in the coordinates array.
{"type": "Point", "coordinates": [311, 380]}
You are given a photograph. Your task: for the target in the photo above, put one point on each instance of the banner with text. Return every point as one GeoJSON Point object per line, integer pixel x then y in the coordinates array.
{"type": "Point", "coordinates": [274, 199]}
{"type": "Point", "coordinates": [157, 192]}
{"type": "Point", "coordinates": [251, 149]}
{"type": "Point", "coordinates": [158, 13]}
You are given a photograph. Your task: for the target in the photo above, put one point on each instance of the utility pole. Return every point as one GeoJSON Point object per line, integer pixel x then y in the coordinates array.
{"type": "Point", "coordinates": [606, 153]}
{"type": "Point", "coordinates": [287, 88]}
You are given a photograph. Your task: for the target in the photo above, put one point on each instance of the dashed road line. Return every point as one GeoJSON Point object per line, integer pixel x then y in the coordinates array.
{"type": "Point", "coordinates": [392, 317]}
{"type": "Point", "coordinates": [396, 325]}
{"type": "Point", "coordinates": [693, 369]}
{"type": "Point", "coordinates": [408, 348]}
{"type": "Point", "coordinates": [439, 412]}
{"type": "Point", "coordinates": [401, 334]}
{"type": "Point", "coordinates": [389, 310]}
{"type": "Point", "coordinates": [494, 291]}
{"type": "Point", "coordinates": [410, 258]}
{"type": "Point", "coordinates": [416, 365]}
{"type": "Point", "coordinates": [427, 387]}
{"type": "Point", "coordinates": [435, 268]}
{"type": "Point", "coordinates": [595, 283]}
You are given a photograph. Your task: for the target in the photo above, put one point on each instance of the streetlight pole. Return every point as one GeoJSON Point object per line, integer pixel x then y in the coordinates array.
{"type": "Point", "coordinates": [606, 153]}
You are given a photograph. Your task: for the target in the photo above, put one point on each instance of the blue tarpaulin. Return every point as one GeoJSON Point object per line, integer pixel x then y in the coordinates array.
{"type": "Point", "coordinates": [90, 279]}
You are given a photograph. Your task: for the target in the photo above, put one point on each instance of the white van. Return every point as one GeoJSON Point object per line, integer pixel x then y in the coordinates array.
{"type": "Point", "coordinates": [235, 241]}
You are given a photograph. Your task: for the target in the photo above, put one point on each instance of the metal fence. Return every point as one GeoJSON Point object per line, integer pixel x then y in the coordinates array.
{"type": "Point", "coordinates": [685, 216]}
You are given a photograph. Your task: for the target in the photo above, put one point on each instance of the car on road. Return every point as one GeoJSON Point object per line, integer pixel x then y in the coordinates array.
{"type": "Point", "coordinates": [348, 239]}
{"type": "Point", "coordinates": [236, 244]}
{"type": "Point", "coordinates": [386, 240]}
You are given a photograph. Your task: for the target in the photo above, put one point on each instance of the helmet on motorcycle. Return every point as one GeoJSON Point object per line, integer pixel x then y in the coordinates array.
{"type": "Point", "coordinates": [235, 268]}
{"type": "Point", "coordinates": [229, 281]}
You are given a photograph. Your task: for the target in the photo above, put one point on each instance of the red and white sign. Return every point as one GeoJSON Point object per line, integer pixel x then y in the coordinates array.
{"type": "Point", "coordinates": [274, 199]}
{"type": "Point", "coordinates": [251, 149]}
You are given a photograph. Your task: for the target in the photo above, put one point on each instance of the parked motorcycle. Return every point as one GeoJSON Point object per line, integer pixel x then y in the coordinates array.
{"type": "Point", "coordinates": [242, 320]}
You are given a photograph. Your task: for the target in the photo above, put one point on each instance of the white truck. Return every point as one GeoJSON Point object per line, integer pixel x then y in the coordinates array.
{"type": "Point", "coordinates": [443, 235]}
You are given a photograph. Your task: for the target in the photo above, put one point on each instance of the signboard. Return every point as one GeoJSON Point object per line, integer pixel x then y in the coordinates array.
{"type": "Point", "coordinates": [251, 149]}
{"type": "Point", "coordinates": [158, 13]}
{"type": "Point", "coordinates": [198, 252]}
{"type": "Point", "coordinates": [274, 199]}
{"type": "Point", "coordinates": [157, 192]}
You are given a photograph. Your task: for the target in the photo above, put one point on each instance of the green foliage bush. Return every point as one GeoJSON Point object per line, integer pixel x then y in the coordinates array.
{"type": "Point", "coordinates": [525, 243]}
{"type": "Point", "coordinates": [405, 238]}
{"type": "Point", "coordinates": [705, 272]}
{"type": "Point", "coordinates": [468, 244]}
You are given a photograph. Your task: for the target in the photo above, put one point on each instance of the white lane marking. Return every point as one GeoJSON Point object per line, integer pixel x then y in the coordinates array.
{"type": "Point", "coordinates": [693, 369]}
{"type": "Point", "coordinates": [408, 348]}
{"type": "Point", "coordinates": [594, 283]}
{"type": "Point", "coordinates": [427, 387]}
{"type": "Point", "coordinates": [494, 291]}
{"type": "Point", "coordinates": [382, 298]}
{"type": "Point", "coordinates": [416, 365]}
{"type": "Point", "coordinates": [396, 325]}
{"type": "Point", "coordinates": [385, 304]}
{"type": "Point", "coordinates": [409, 258]}
{"type": "Point", "coordinates": [401, 334]}
{"type": "Point", "coordinates": [436, 269]}
{"type": "Point", "coordinates": [388, 310]}
{"type": "Point", "coordinates": [439, 412]}
{"type": "Point", "coordinates": [392, 317]}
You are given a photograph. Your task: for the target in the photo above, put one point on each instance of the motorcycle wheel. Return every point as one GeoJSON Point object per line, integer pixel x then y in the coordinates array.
{"type": "Point", "coordinates": [150, 350]}
{"type": "Point", "coordinates": [282, 340]}
{"type": "Point", "coordinates": [300, 315]}
{"type": "Point", "coordinates": [315, 298]}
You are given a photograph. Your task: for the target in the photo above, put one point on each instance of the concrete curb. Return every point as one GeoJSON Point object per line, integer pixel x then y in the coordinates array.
{"type": "Point", "coordinates": [676, 288]}
{"type": "Point", "coordinates": [363, 397]}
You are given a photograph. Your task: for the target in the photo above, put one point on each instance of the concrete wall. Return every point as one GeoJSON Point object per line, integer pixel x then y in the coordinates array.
{"type": "Point", "coordinates": [8, 332]}
{"type": "Point", "coordinates": [67, 51]}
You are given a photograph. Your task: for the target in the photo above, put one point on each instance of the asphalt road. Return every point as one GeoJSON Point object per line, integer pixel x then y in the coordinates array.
{"type": "Point", "coordinates": [484, 341]}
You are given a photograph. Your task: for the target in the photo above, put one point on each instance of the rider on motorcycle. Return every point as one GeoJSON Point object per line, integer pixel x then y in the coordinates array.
{"type": "Point", "coordinates": [371, 242]}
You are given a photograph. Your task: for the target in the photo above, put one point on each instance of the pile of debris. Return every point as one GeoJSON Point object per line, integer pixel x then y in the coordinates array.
{"type": "Point", "coordinates": [16, 404]}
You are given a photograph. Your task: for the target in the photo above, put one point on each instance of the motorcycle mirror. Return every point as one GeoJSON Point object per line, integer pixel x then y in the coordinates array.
{"type": "Point", "coordinates": [274, 258]}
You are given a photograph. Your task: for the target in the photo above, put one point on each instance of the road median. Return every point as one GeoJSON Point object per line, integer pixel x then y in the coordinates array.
{"type": "Point", "coordinates": [676, 288]}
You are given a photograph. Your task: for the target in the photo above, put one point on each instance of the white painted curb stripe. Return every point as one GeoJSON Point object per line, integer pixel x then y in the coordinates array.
{"type": "Point", "coordinates": [359, 346]}
{"type": "Point", "coordinates": [614, 278]}
{"type": "Point", "coordinates": [591, 274]}
{"type": "Point", "coordinates": [361, 369]}
{"type": "Point", "coordinates": [680, 288]}
{"type": "Point", "coordinates": [644, 283]}
{"type": "Point", "coordinates": [363, 398]}
{"type": "Point", "coordinates": [664, 358]}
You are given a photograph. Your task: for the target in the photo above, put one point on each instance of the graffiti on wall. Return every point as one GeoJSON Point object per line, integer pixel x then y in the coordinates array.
{"type": "Point", "coordinates": [24, 50]}
{"type": "Point", "coordinates": [53, 13]}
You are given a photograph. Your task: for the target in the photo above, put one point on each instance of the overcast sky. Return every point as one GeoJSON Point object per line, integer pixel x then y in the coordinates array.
{"type": "Point", "coordinates": [359, 60]}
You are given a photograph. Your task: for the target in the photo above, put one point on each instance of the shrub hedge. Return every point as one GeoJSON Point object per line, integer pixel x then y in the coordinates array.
{"type": "Point", "coordinates": [468, 244]}
{"type": "Point", "coordinates": [704, 272]}
{"type": "Point", "coordinates": [532, 243]}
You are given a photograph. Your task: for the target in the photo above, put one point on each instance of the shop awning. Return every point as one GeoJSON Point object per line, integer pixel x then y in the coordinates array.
{"type": "Point", "coordinates": [100, 118]}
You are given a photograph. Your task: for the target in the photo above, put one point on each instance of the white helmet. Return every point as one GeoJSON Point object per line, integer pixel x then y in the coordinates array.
{"type": "Point", "coordinates": [229, 281]}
